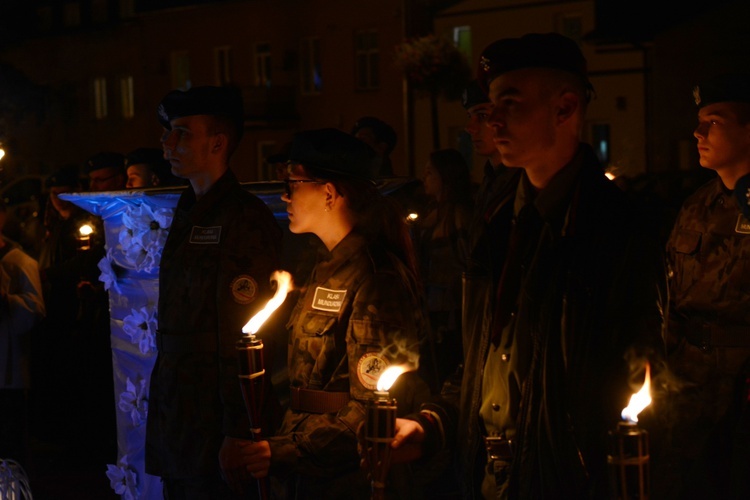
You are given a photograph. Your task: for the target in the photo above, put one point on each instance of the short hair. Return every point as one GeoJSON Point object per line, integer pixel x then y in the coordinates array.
{"type": "Point", "coordinates": [383, 132]}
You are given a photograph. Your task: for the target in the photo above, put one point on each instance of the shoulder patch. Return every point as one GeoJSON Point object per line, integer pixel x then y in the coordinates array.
{"type": "Point", "coordinates": [369, 368]}
{"type": "Point", "coordinates": [329, 300]}
{"type": "Point", "coordinates": [244, 289]}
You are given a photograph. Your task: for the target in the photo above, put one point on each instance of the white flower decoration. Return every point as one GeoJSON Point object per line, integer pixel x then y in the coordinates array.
{"type": "Point", "coordinates": [123, 479]}
{"type": "Point", "coordinates": [144, 234]}
{"type": "Point", "coordinates": [140, 326]}
{"type": "Point", "coordinates": [135, 401]}
{"type": "Point", "coordinates": [108, 276]}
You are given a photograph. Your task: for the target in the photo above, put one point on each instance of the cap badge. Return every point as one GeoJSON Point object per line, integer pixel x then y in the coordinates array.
{"type": "Point", "coordinates": [697, 95]}
{"type": "Point", "coordinates": [484, 62]}
{"type": "Point", "coordinates": [163, 113]}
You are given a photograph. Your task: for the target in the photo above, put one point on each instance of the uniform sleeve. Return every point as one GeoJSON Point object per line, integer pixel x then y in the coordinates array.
{"type": "Point", "coordinates": [249, 257]}
{"type": "Point", "coordinates": [381, 326]}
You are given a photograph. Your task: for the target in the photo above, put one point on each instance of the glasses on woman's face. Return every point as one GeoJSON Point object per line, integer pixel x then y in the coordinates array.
{"type": "Point", "coordinates": [288, 183]}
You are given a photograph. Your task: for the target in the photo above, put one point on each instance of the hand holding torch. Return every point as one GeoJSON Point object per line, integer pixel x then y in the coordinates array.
{"type": "Point", "coordinates": [380, 427]}
{"type": "Point", "coordinates": [629, 451]}
{"type": "Point", "coordinates": [251, 362]}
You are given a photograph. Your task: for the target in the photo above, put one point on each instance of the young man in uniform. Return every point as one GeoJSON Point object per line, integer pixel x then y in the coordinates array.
{"type": "Point", "coordinates": [546, 373]}
{"type": "Point", "coordinates": [709, 322]}
{"type": "Point", "coordinates": [222, 247]}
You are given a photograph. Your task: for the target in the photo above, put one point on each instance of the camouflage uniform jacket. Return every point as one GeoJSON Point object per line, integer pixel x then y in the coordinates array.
{"type": "Point", "coordinates": [709, 322]}
{"type": "Point", "coordinates": [357, 314]}
{"type": "Point", "coordinates": [590, 291]}
{"type": "Point", "coordinates": [213, 277]}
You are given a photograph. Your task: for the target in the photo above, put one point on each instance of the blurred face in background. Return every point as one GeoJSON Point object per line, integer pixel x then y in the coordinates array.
{"type": "Point", "coordinates": [480, 132]}
{"type": "Point", "coordinates": [433, 183]}
{"type": "Point", "coordinates": [106, 179]}
{"type": "Point", "coordinates": [141, 176]}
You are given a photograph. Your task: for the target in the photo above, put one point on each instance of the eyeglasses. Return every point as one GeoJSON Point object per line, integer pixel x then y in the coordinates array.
{"type": "Point", "coordinates": [288, 183]}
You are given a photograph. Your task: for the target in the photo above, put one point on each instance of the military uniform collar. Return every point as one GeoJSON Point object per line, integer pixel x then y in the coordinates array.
{"type": "Point", "coordinates": [552, 201]}
{"type": "Point", "coordinates": [216, 193]}
{"type": "Point", "coordinates": [717, 191]}
{"type": "Point", "coordinates": [330, 261]}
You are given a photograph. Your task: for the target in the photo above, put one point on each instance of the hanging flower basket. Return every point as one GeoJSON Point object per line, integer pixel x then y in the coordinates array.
{"type": "Point", "coordinates": [433, 64]}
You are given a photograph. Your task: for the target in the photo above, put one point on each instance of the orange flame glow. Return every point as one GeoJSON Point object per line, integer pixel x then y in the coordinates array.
{"type": "Point", "coordinates": [389, 376]}
{"type": "Point", "coordinates": [639, 400]}
{"type": "Point", "coordinates": [284, 283]}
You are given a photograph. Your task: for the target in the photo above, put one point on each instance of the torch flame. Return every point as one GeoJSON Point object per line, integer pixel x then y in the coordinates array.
{"type": "Point", "coordinates": [639, 400]}
{"type": "Point", "coordinates": [389, 376]}
{"type": "Point", "coordinates": [284, 283]}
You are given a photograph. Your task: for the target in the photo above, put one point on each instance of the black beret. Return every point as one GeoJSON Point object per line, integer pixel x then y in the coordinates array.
{"type": "Point", "coordinates": [533, 50]}
{"type": "Point", "coordinates": [382, 130]}
{"type": "Point", "coordinates": [213, 101]}
{"type": "Point", "coordinates": [473, 95]}
{"type": "Point", "coordinates": [64, 176]}
{"type": "Point", "coordinates": [147, 156]}
{"type": "Point", "coordinates": [723, 88]}
{"type": "Point", "coordinates": [105, 159]}
{"type": "Point", "coordinates": [331, 152]}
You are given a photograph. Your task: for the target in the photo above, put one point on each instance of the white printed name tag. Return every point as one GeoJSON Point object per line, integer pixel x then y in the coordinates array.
{"type": "Point", "coordinates": [205, 235]}
{"type": "Point", "coordinates": [328, 300]}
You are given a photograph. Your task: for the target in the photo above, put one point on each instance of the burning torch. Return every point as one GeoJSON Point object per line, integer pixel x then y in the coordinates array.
{"type": "Point", "coordinates": [380, 427]}
{"type": "Point", "coordinates": [629, 453]}
{"type": "Point", "coordinates": [251, 364]}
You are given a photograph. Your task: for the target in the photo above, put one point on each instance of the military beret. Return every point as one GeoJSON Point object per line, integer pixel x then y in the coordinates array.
{"type": "Point", "coordinates": [105, 159]}
{"type": "Point", "coordinates": [147, 156]}
{"type": "Point", "coordinates": [64, 176]}
{"type": "Point", "coordinates": [382, 130]}
{"type": "Point", "coordinates": [723, 88]}
{"type": "Point", "coordinates": [213, 101]}
{"type": "Point", "coordinates": [331, 152]}
{"type": "Point", "coordinates": [473, 95]}
{"type": "Point", "coordinates": [533, 50]}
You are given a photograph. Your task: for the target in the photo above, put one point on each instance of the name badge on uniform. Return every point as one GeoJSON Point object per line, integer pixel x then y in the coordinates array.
{"type": "Point", "coordinates": [743, 225]}
{"type": "Point", "coordinates": [205, 235]}
{"type": "Point", "coordinates": [329, 300]}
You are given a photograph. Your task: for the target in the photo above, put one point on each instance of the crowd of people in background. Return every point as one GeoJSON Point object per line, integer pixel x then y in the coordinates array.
{"type": "Point", "coordinates": [530, 305]}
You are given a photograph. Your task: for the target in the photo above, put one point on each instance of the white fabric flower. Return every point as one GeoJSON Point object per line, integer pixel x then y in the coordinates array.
{"type": "Point", "coordinates": [123, 479]}
{"type": "Point", "coordinates": [135, 401]}
{"type": "Point", "coordinates": [108, 276]}
{"type": "Point", "coordinates": [144, 234]}
{"type": "Point", "coordinates": [140, 326]}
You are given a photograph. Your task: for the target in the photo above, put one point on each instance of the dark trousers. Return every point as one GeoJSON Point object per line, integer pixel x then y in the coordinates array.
{"type": "Point", "coordinates": [205, 488]}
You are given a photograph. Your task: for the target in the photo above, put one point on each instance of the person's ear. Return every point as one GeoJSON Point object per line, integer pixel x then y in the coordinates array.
{"type": "Point", "coordinates": [332, 196]}
{"type": "Point", "coordinates": [567, 106]}
{"type": "Point", "coordinates": [218, 142]}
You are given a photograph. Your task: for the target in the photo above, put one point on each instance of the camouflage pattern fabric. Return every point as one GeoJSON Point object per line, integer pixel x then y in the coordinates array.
{"type": "Point", "coordinates": [357, 315]}
{"type": "Point", "coordinates": [214, 276]}
{"type": "Point", "coordinates": [709, 331]}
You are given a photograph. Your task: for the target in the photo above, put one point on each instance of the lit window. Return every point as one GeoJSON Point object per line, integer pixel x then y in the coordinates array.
{"type": "Point", "coordinates": [312, 81]}
{"type": "Point", "coordinates": [263, 64]}
{"type": "Point", "coordinates": [222, 56]}
{"type": "Point", "coordinates": [462, 40]}
{"type": "Point", "coordinates": [100, 98]}
{"type": "Point", "coordinates": [126, 96]}
{"type": "Point", "coordinates": [180, 70]}
{"type": "Point", "coordinates": [367, 60]}
{"type": "Point", "coordinates": [600, 141]}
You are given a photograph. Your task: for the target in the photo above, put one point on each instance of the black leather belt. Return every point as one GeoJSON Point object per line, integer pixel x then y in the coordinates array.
{"type": "Point", "coordinates": [182, 344]}
{"type": "Point", "coordinates": [312, 401]}
{"type": "Point", "coordinates": [498, 448]}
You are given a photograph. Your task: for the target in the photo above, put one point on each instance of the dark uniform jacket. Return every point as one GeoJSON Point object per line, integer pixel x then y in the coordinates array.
{"type": "Point", "coordinates": [357, 315]}
{"type": "Point", "coordinates": [709, 331]}
{"type": "Point", "coordinates": [214, 276]}
{"type": "Point", "coordinates": [591, 290]}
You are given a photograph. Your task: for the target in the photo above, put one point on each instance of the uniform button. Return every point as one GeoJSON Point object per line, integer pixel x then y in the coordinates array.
{"type": "Point", "coordinates": [504, 357]}
{"type": "Point", "coordinates": [721, 201]}
{"type": "Point", "coordinates": [495, 407]}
